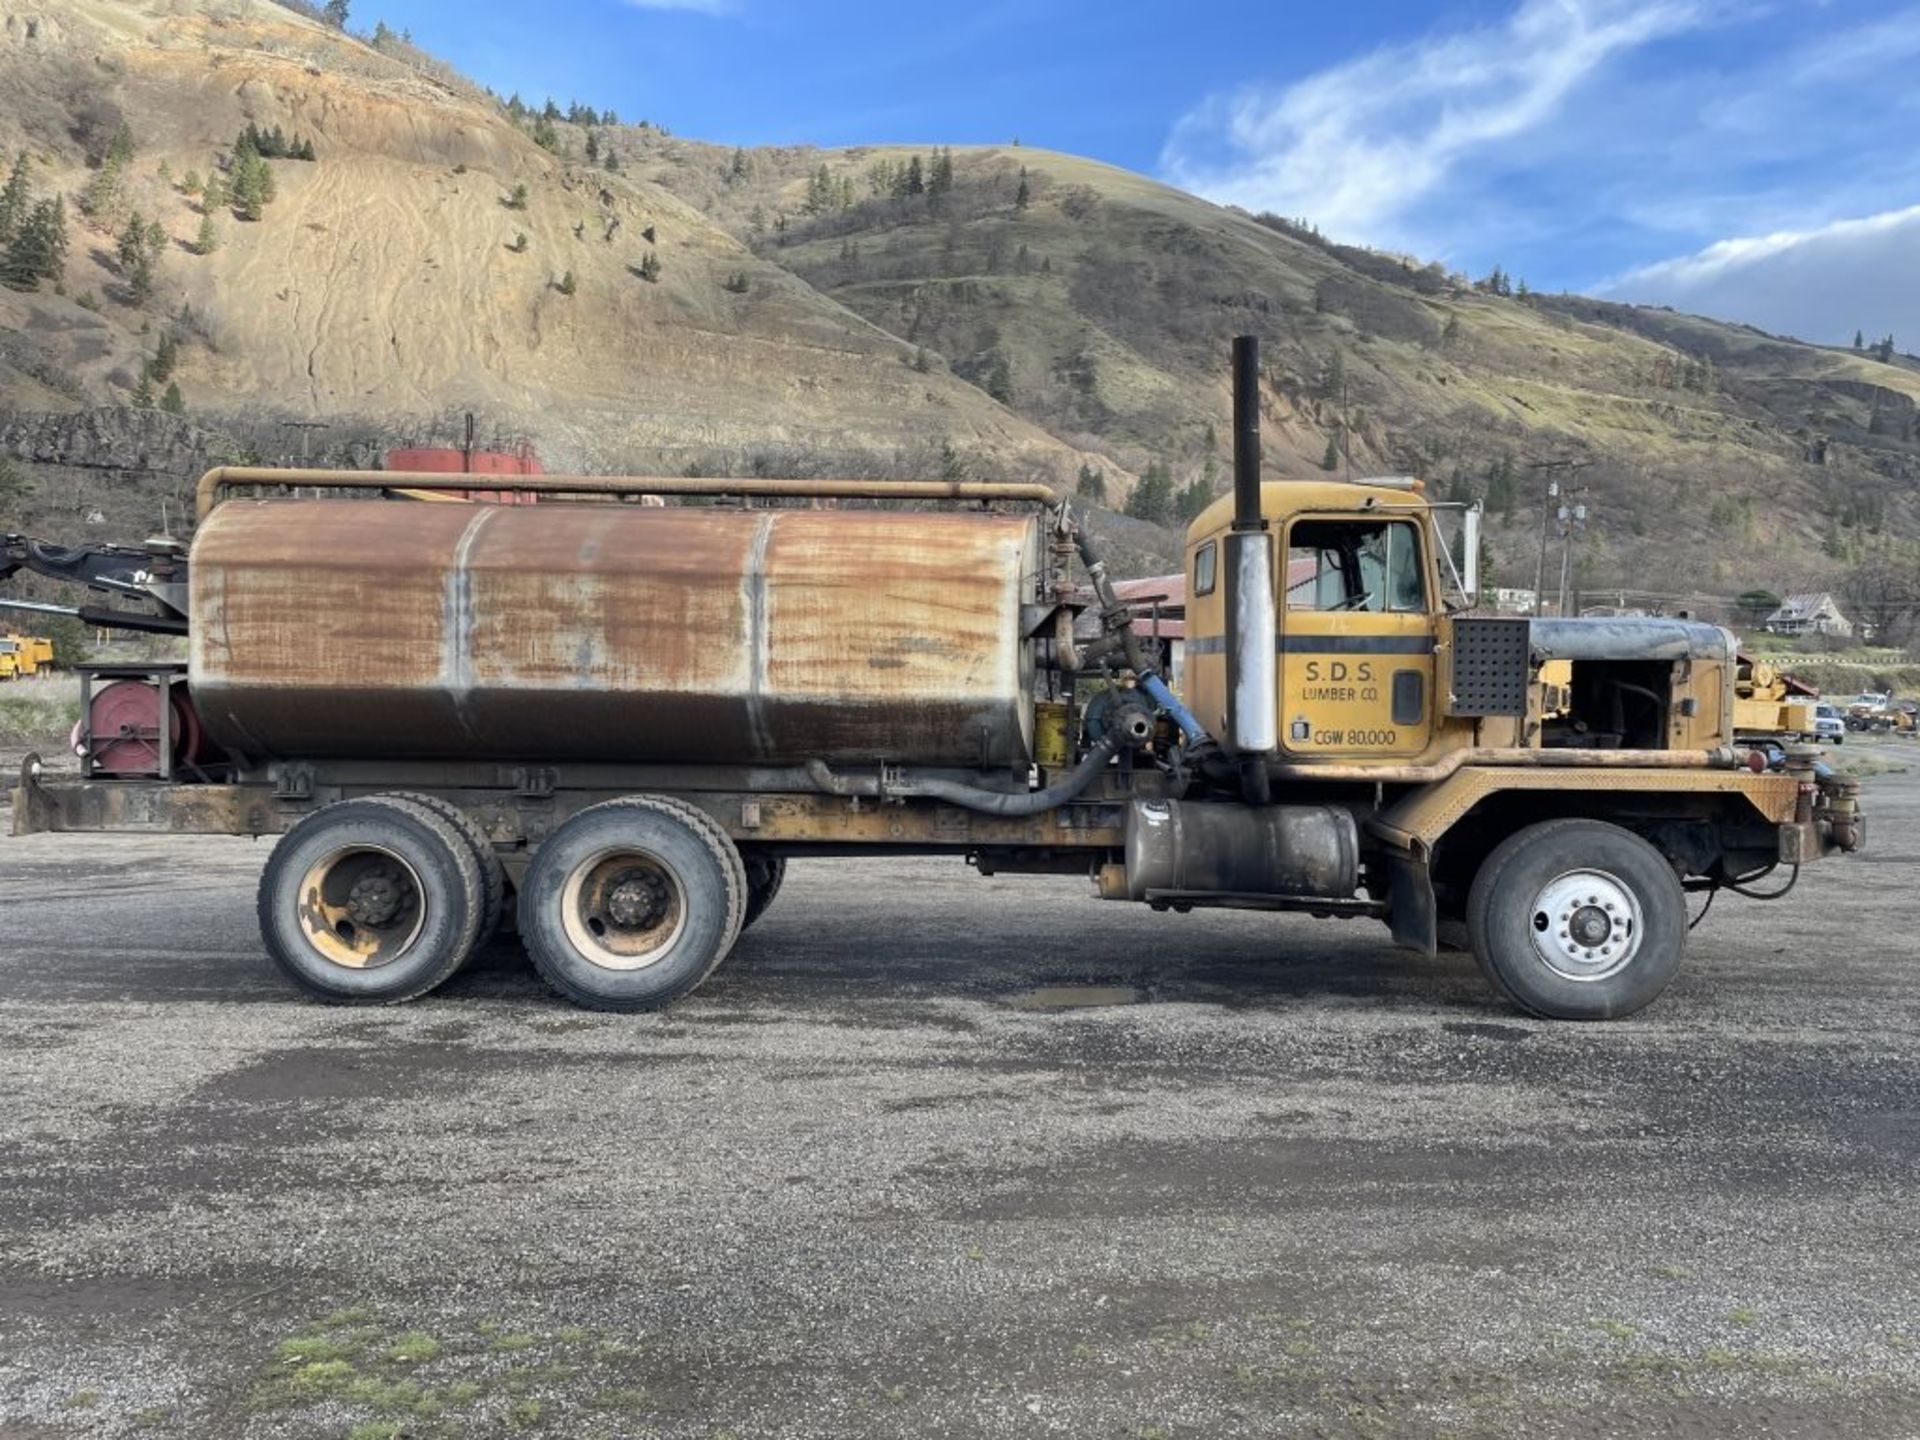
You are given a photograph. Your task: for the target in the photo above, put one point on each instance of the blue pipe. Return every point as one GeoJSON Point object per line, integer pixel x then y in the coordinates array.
{"type": "Point", "coordinates": [1169, 702]}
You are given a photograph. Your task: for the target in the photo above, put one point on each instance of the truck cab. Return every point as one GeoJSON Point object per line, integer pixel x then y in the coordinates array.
{"type": "Point", "coordinates": [1358, 604]}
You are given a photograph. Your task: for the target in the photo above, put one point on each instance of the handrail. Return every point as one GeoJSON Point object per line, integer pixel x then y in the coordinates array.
{"type": "Point", "coordinates": [215, 482]}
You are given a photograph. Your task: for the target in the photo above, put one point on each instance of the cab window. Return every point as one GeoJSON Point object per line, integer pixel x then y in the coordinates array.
{"type": "Point", "coordinates": [1366, 566]}
{"type": "Point", "coordinates": [1204, 562]}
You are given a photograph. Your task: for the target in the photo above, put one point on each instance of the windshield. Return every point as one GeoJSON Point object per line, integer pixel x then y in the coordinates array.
{"type": "Point", "coordinates": [1359, 566]}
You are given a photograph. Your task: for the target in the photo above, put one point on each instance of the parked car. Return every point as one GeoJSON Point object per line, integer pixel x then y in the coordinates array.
{"type": "Point", "coordinates": [1829, 725]}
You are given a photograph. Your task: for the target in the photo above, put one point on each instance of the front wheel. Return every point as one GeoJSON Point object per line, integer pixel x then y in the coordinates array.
{"type": "Point", "coordinates": [1578, 920]}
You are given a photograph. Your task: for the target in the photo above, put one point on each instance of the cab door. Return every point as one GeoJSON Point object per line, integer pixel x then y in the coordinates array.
{"type": "Point", "coordinates": [1356, 637]}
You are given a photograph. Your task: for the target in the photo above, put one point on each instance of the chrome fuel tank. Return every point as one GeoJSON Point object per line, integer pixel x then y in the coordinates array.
{"type": "Point", "coordinates": [613, 632]}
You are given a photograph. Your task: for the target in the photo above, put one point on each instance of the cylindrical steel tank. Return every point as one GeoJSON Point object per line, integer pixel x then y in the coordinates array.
{"type": "Point", "coordinates": [361, 628]}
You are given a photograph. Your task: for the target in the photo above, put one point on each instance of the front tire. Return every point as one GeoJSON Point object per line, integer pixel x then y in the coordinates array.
{"type": "Point", "coordinates": [631, 904]}
{"type": "Point", "coordinates": [371, 902]}
{"type": "Point", "coordinates": [1578, 920]}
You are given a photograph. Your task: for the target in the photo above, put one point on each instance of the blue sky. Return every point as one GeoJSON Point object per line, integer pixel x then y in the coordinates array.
{"type": "Point", "coordinates": [1756, 160]}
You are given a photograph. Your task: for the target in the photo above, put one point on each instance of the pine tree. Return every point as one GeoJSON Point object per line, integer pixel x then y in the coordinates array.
{"type": "Point", "coordinates": [106, 191]}
{"type": "Point", "coordinates": [253, 186]}
{"type": "Point", "coordinates": [999, 382]}
{"type": "Point", "coordinates": [208, 240]}
{"type": "Point", "coordinates": [133, 242]}
{"type": "Point", "coordinates": [16, 200]}
{"type": "Point", "coordinates": [24, 262]}
{"type": "Point", "coordinates": [38, 250]}
{"type": "Point", "coordinates": [1024, 195]}
{"type": "Point", "coordinates": [120, 148]}
{"type": "Point", "coordinates": [336, 13]}
{"type": "Point", "coordinates": [1152, 499]}
{"type": "Point", "coordinates": [567, 285]}
{"type": "Point", "coordinates": [140, 280]}
{"type": "Point", "coordinates": [143, 392]}
{"type": "Point", "coordinates": [1333, 377]}
{"type": "Point", "coordinates": [612, 160]}
{"type": "Point", "coordinates": [544, 134]}
{"type": "Point", "coordinates": [518, 199]}
{"type": "Point", "coordinates": [172, 402]}
{"type": "Point", "coordinates": [1092, 484]}
{"type": "Point", "coordinates": [738, 168]}
{"type": "Point", "coordinates": [916, 182]}
{"type": "Point", "coordinates": [650, 267]}
{"type": "Point", "coordinates": [166, 355]}
{"type": "Point", "coordinates": [593, 148]}
{"type": "Point", "coordinates": [1859, 336]}
{"type": "Point", "coordinates": [1193, 498]}
{"type": "Point", "coordinates": [941, 180]}
{"type": "Point", "coordinates": [519, 245]}
{"type": "Point", "coordinates": [215, 196]}
{"type": "Point", "coordinates": [1331, 459]}
{"type": "Point", "coordinates": [51, 221]}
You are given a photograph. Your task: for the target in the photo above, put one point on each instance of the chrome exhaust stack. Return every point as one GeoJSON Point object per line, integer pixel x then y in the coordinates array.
{"type": "Point", "coordinates": [1253, 721]}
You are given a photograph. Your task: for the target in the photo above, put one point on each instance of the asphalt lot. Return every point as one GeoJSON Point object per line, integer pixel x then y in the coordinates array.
{"type": "Point", "coordinates": [867, 1183]}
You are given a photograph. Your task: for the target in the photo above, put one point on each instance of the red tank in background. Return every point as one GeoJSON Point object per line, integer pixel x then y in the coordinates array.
{"type": "Point", "coordinates": [454, 460]}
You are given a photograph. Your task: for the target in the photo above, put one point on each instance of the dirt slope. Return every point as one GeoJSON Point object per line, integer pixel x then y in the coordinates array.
{"type": "Point", "coordinates": [380, 281]}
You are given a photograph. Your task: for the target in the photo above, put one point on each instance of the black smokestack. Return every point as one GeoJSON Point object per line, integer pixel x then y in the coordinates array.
{"type": "Point", "coordinates": [1246, 433]}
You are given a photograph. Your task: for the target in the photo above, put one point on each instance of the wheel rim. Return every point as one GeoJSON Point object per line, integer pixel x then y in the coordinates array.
{"type": "Point", "coordinates": [361, 906]}
{"type": "Point", "coordinates": [623, 909]}
{"type": "Point", "coordinates": [1586, 925]}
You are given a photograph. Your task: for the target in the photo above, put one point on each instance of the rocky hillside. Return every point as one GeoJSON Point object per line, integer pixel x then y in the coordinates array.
{"type": "Point", "coordinates": [992, 311]}
{"type": "Point", "coordinates": [431, 259]}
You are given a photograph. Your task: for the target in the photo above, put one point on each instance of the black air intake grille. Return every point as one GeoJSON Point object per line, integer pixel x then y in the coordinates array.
{"type": "Point", "coordinates": [1490, 665]}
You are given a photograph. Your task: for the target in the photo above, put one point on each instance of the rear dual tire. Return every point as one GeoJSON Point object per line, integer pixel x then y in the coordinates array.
{"type": "Point", "coordinates": [372, 901]}
{"type": "Point", "coordinates": [631, 904]}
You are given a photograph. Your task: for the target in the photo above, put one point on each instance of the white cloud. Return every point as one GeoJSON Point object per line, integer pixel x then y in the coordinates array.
{"type": "Point", "coordinates": [1817, 284]}
{"type": "Point", "coordinates": [1358, 146]}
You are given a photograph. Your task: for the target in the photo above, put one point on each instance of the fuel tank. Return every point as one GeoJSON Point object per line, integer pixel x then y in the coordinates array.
{"type": "Point", "coordinates": [612, 632]}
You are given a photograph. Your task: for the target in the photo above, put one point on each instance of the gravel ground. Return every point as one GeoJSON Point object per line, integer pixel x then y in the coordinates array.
{"type": "Point", "coordinates": [934, 1154]}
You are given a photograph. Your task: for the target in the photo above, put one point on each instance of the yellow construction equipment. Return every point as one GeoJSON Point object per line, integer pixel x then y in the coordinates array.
{"type": "Point", "coordinates": [31, 653]}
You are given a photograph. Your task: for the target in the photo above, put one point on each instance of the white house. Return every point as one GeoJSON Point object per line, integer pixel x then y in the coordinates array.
{"type": "Point", "coordinates": [1811, 614]}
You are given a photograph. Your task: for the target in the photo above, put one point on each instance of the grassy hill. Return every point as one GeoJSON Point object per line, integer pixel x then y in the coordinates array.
{"type": "Point", "coordinates": [1015, 313]}
{"type": "Point", "coordinates": [1713, 457]}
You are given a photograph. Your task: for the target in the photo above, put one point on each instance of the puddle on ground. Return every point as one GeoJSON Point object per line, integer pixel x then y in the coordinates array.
{"type": "Point", "coordinates": [1075, 997]}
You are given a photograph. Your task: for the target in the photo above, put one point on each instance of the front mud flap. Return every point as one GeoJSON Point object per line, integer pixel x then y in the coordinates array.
{"type": "Point", "coordinates": [1412, 912]}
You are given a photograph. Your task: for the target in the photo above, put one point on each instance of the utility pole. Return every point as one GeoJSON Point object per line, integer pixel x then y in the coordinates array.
{"type": "Point", "coordinates": [1549, 467]}
{"type": "Point", "coordinates": [1540, 566]}
{"type": "Point", "coordinates": [1571, 518]}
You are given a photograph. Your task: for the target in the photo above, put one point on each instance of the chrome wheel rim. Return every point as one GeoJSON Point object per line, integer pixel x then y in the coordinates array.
{"type": "Point", "coordinates": [1586, 925]}
{"type": "Point", "coordinates": [623, 909]}
{"type": "Point", "coordinates": [361, 906]}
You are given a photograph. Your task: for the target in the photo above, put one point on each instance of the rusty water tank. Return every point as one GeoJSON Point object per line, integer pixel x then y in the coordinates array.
{"type": "Point", "coordinates": [612, 632]}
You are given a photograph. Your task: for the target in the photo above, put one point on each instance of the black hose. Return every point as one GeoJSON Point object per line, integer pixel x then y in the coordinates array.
{"type": "Point", "coordinates": [1739, 889]}
{"type": "Point", "coordinates": [1010, 804]}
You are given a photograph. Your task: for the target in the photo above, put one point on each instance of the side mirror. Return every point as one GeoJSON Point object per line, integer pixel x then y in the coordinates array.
{"type": "Point", "coordinates": [1470, 562]}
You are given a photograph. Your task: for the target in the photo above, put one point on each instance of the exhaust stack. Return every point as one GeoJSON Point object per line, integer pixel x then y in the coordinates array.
{"type": "Point", "coordinates": [1252, 684]}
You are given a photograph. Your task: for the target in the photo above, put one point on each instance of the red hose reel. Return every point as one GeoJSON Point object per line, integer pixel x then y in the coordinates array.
{"type": "Point", "coordinates": [121, 732]}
